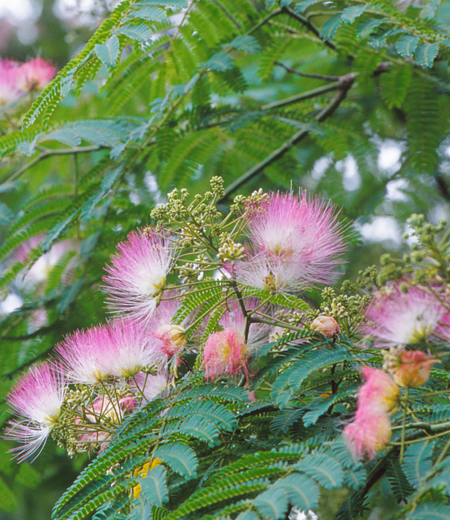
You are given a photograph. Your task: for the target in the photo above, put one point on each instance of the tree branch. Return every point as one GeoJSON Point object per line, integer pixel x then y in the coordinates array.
{"type": "Point", "coordinates": [49, 153]}
{"type": "Point", "coordinates": [305, 74]}
{"type": "Point", "coordinates": [344, 85]}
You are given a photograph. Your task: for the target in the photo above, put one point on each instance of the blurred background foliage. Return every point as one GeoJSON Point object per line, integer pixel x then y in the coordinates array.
{"type": "Point", "coordinates": [349, 100]}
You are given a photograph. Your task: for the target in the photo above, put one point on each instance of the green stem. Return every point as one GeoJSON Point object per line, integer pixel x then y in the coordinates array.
{"type": "Point", "coordinates": [405, 411]}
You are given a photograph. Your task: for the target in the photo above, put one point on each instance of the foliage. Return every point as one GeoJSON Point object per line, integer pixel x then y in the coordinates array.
{"type": "Point", "coordinates": [168, 93]}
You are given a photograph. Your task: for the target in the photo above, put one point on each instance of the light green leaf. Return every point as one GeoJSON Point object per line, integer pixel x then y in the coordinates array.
{"type": "Point", "coordinates": [154, 486]}
{"type": "Point", "coordinates": [426, 53]}
{"type": "Point", "coordinates": [406, 45]}
{"type": "Point", "coordinates": [220, 61]}
{"type": "Point", "coordinates": [325, 470]}
{"type": "Point", "coordinates": [179, 457]}
{"type": "Point", "coordinates": [330, 27]}
{"type": "Point", "coordinates": [136, 32]}
{"type": "Point", "coordinates": [366, 28]}
{"type": "Point", "coordinates": [272, 504]}
{"type": "Point", "coordinates": [109, 52]}
{"type": "Point", "coordinates": [302, 6]}
{"type": "Point", "coordinates": [147, 13]}
{"type": "Point", "coordinates": [350, 14]}
{"type": "Point", "coordinates": [417, 463]}
{"type": "Point", "coordinates": [246, 43]}
{"type": "Point", "coordinates": [301, 491]}
{"type": "Point", "coordinates": [430, 512]}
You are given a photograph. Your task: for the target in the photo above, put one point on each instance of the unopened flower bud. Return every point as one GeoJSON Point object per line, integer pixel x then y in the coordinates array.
{"type": "Point", "coordinates": [412, 368]}
{"type": "Point", "coordinates": [327, 325]}
{"type": "Point", "coordinates": [173, 338]}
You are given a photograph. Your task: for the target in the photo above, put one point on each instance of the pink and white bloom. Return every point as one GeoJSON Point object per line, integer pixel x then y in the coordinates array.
{"type": "Point", "coordinates": [380, 393]}
{"type": "Point", "coordinates": [34, 74]}
{"type": "Point", "coordinates": [149, 386]}
{"type": "Point", "coordinates": [399, 318]}
{"type": "Point", "coordinates": [225, 353]}
{"type": "Point", "coordinates": [119, 349]}
{"type": "Point", "coordinates": [368, 434]}
{"type": "Point", "coordinates": [296, 243]}
{"type": "Point", "coordinates": [37, 400]}
{"type": "Point", "coordinates": [371, 429]}
{"type": "Point", "coordinates": [137, 274]}
{"type": "Point", "coordinates": [9, 88]}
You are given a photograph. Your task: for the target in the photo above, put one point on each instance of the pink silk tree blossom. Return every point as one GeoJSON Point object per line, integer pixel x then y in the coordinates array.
{"type": "Point", "coordinates": [36, 400]}
{"type": "Point", "coordinates": [403, 318]}
{"type": "Point", "coordinates": [35, 74]}
{"type": "Point", "coordinates": [137, 274]}
{"type": "Point", "coordinates": [296, 243]}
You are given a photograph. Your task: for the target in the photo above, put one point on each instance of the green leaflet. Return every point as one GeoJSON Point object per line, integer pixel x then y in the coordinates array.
{"type": "Point", "coordinates": [154, 486]}
{"type": "Point", "coordinates": [180, 457]}
{"type": "Point", "coordinates": [417, 463]}
{"type": "Point", "coordinates": [430, 512]}
{"type": "Point", "coordinates": [426, 53]}
{"type": "Point", "coordinates": [109, 52]}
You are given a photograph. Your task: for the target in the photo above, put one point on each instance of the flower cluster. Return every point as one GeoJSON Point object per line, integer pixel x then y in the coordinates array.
{"type": "Point", "coordinates": [18, 79]}
{"type": "Point", "coordinates": [371, 429]}
{"type": "Point", "coordinates": [283, 243]}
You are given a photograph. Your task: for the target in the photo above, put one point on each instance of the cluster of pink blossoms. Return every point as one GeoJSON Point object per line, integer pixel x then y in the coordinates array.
{"type": "Point", "coordinates": [296, 243]}
{"type": "Point", "coordinates": [102, 374]}
{"type": "Point", "coordinates": [378, 398]}
{"type": "Point", "coordinates": [18, 79]}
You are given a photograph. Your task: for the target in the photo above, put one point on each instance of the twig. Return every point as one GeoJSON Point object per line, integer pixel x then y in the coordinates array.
{"type": "Point", "coordinates": [305, 74]}
{"type": "Point", "coordinates": [49, 153]}
{"type": "Point", "coordinates": [309, 25]}
{"type": "Point", "coordinates": [345, 83]}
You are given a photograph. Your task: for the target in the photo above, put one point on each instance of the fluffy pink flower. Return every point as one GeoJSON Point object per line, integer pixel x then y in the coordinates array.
{"type": "Point", "coordinates": [368, 434]}
{"type": "Point", "coordinates": [296, 241]}
{"type": "Point", "coordinates": [138, 273]}
{"type": "Point", "coordinates": [119, 349]}
{"type": "Point", "coordinates": [379, 393]}
{"type": "Point", "coordinates": [103, 408]}
{"type": "Point", "coordinates": [172, 337]}
{"type": "Point", "coordinates": [225, 353]}
{"type": "Point", "coordinates": [35, 74]}
{"type": "Point", "coordinates": [36, 399]}
{"type": "Point", "coordinates": [258, 334]}
{"type": "Point", "coordinates": [9, 89]}
{"type": "Point", "coordinates": [149, 386]}
{"type": "Point", "coordinates": [398, 318]}
{"type": "Point", "coordinates": [413, 368]}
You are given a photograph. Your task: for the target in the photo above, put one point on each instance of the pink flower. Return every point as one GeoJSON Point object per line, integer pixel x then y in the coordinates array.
{"type": "Point", "coordinates": [379, 393]}
{"type": "Point", "coordinates": [148, 386]}
{"type": "Point", "coordinates": [225, 353]}
{"type": "Point", "coordinates": [104, 408]}
{"type": "Point", "coordinates": [119, 349]}
{"type": "Point", "coordinates": [137, 276]}
{"type": "Point", "coordinates": [399, 318]}
{"type": "Point", "coordinates": [172, 337]}
{"type": "Point", "coordinates": [258, 333]}
{"type": "Point", "coordinates": [9, 89]}
{"type": "Point", "coordinates": [37, 400]}
{"type": "Point", "coordinates": [296, 241]}
{"type": "Point", "coordinates": [413, 368]}
{"type": "Point", "coordinates": [368, 434]}
{"type": "Point", "coordinates": [35, 74]}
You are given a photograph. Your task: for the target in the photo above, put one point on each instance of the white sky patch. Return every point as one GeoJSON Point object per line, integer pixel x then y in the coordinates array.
{"type": "Point", "coordinates": [395, 190]}
{"type": "Point", "coordinates": [320, 167]}
{"type": "Point", "coordinates": [380, 229]}
{"type": "Point", "coordinates": [11, 303]}
{"type": "Point", "coordinates": [351, 179]}
{"type": "Point", "coordinates": [19, 11]}
{"type": "Point", "coordinates": [389, 156]}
